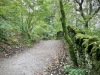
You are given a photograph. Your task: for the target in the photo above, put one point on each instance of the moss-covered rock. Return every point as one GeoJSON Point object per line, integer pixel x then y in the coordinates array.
{"type": "Point", "coordinates": [86, 44]}
{"type": "Point", "coordinates": [75, 30]}
{"type": "Point", "coordinates": [95, 52]}
{"type": "Point", "coordinates": [80, 38]}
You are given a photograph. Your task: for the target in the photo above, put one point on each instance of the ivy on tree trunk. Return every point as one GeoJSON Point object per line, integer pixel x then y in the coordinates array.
{"type": "Point", "coordinates": [67, 38]}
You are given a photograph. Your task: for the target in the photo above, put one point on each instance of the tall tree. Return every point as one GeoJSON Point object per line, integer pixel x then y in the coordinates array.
{"type": "Point", "coordinates": [88, 9]}
{"type": "Point", "coordinates": [67, 38]}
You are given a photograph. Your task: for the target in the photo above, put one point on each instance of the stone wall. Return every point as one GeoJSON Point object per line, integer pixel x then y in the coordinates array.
{"type": "Point", "coordinates": [87, 50]}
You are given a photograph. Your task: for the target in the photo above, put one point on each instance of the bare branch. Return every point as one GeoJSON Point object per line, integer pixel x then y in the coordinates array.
{"type": "Point", "coordinates": [81, 11]}
{"type": "Point", "coordinates": [90, 7]}
{"type": "Point", "coordinates": [81, 8]}
{"type": "Point", "coordinates": [92, 15]}
{"type": "Point", "coordinates": [82, 1]}
{"type": "Point", "coordinates": [96, 11]}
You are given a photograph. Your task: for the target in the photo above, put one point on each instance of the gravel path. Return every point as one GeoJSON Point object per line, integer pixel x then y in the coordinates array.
{"type": "Point", "coordinates": [32, 61]}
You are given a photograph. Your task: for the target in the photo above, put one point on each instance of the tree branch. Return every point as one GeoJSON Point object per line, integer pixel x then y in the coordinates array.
{"type": "Point", "coordinates": [90, 7]}
{"type": "Point", "coordinates": [77, 1]}
{"type": "Point", "coordinates": [96, 11]}
{"type": "Point", "coordinates": [99, 1]}
{"type": "Point", "coordinates": [92, 15]}
{"type": "Point", "coordinates": [81, 8]}
{"type": "Point", "coordinates": [82, 2]}
{"type": "Point", "coordinates": [81, 11]}
{"type": "Point", "coordinates": [80, 20]}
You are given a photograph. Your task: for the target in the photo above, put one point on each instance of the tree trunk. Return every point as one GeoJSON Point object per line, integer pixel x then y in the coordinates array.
{"type": "Point", "coordinates": [67, 38]}
{"type": "Point", "coordinates": [86, 25]}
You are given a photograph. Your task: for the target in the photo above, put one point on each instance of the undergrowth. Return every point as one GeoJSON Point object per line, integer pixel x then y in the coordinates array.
{"type": "Point", "coordinates": [74, 71]}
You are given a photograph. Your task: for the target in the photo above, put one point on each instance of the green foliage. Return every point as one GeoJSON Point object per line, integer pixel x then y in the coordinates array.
{"type": "Point", "coordinates": [87, 50]}
{"type": "Point", "coordinates": [6, 35]}
{"type": "Point", "coordinates": [73, 71]}
{"type": "Point", "coordinates": [93, 32]}
{"type": "Point", "coordinates": [26, 20]}
{"type": "Point", "coordinates": [70, 16]}
{"type": "Point", "coordinates": [74, 29]}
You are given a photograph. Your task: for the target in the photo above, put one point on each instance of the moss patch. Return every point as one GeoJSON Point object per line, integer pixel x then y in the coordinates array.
{"type": "Point", "coordinates": [86, 44]}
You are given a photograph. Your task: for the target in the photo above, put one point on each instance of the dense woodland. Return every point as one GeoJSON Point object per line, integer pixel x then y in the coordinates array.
{"type": "Point", "coordinates": [25, 22]}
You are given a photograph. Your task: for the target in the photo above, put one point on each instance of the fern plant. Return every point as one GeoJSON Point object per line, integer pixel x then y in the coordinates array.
{"type": "Point", "coordinates": [72, 71]}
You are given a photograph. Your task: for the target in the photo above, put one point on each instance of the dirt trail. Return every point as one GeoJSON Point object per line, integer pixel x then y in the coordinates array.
{"type": "Point", "coordinates": [32, 61]}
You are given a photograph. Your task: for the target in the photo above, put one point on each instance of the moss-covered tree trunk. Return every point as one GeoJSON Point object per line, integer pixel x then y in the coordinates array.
{"type": "Point", "coordinates": [67, 38]}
